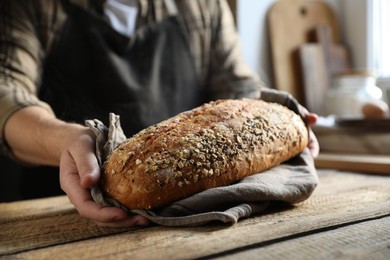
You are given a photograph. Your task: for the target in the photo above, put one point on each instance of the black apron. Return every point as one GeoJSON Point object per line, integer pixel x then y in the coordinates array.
{"type": "Point", "coordinates": [93, 70]}
{"type": "Point", "coordinates": [144, 79]}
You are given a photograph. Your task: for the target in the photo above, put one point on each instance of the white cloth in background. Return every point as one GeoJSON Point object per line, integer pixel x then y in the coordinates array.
{"type": "Point", "coordinates": [122, 15]}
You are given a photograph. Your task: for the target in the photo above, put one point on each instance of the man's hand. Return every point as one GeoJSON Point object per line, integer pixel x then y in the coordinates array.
{"type": "Point", "coordinates": [79, 171]}
{"type": "Point", "coordinates": [311, 119]}
{"type": "Point", "coordinates": [37, 137]}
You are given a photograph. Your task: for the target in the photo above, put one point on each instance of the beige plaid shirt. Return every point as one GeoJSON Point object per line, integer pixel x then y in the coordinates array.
{"type": "Point", "coordinates": [29, 27]}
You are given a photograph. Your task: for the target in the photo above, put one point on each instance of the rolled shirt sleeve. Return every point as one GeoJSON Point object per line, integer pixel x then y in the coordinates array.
{"type": "Point", "coordinates": [231, 77]}
{"type": "Point", "coordinates": [21, 55]}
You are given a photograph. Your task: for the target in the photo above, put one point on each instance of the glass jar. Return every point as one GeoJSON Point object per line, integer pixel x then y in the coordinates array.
{"type": "Point", "coordinates": [350, 92]}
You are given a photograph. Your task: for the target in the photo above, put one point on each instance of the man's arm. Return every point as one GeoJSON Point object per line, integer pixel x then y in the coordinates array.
{"type": "Point", "coordinates": [229, 76]}
{"type": "Point", "coordinates": [37, 137]}
{"type": "Point", "coordinates": [27, 125]}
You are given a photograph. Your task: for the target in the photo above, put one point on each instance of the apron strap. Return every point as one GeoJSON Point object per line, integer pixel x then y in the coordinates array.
{"type": "Point", "coordinates": [152, 9]}
{"type": "Point", "coordinates": [171, 7]}
{"type": "Point", "coordinates": [158, 10]}
{"type": "Point", "coordinates": [66, 5]}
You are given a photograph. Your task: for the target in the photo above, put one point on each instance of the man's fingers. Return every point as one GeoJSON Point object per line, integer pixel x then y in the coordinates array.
{"type": "Point", "coordinates": [83, 154]}
{"type": "Point", "coordinates": [107, 216]}
{"type": "Point", "coordinates": [311, 118]}
{"type": "Point", "coordinates": [90, 209]}
{"type": "Point", "coordinates": [86, 161]}
{"type": "Point", "coordinates": [80, 197]}
{"type": "Point", "coordinates": [313, 144]}
{"type": "Point", "coordinates": [79, 170]}
{"type": "Point", "coordinates": [84, 204]}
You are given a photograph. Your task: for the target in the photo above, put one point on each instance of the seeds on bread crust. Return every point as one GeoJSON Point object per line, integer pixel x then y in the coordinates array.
{"type": "Point", "coordinates": [213, 145]}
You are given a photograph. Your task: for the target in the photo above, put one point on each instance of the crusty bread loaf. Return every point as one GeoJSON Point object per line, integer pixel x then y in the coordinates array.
{"type": "Point", "coordinates": [213, 145]}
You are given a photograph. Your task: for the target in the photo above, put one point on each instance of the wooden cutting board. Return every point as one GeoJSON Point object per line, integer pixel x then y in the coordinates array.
{"type": "Point", "coordinates": [289, 22]}
{"type": "Point", "coordinates": [319, 63]}
{"type": "Point", "coordinates": [337, 56]}
{"type": "Point", "coordinates": [314, 76]}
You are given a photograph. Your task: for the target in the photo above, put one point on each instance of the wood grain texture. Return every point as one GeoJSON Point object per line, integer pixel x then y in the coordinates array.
{"type": "Point", "coordinates": [46, 230]}
{"type": "Point", "coordinates": [315, 77]}
{"type": "Point", "coordinates": [289, 22]}
{"type": "Point", "coordinates": [365, 240]}
{"type": "Point", "coordinates": [30, 209]}
{"type": "Point", "coordinates": [336, 56]}
{"type": "Point", "coordinates": [341, 200]}
{"type": "Point", "coordinates": [376, 164]}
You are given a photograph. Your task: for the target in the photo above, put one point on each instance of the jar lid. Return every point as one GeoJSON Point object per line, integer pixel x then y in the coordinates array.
{"type": "Point", "coordinates": [356, 73]}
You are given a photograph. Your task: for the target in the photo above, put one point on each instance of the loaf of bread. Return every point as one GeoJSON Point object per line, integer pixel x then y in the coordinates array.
{"type": "Point", "coordinates": [216, 144]}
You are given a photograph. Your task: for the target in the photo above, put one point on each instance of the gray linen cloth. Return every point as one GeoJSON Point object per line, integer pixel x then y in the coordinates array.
{"type": "Point", "coordinates": [291, 182]}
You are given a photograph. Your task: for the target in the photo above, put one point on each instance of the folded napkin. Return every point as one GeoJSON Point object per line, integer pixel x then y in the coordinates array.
{"type": "Point", "coordinates": [291, 182]}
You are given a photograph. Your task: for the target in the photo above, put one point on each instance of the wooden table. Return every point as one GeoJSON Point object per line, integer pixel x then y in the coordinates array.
{"type": "Point", "coordinates": [348, 216]}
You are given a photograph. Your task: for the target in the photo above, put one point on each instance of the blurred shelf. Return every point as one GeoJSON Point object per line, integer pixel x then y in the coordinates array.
{"type": "Point", "coordinates": [364, 163]}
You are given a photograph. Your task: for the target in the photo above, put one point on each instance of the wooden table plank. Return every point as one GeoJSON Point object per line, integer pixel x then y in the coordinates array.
{"type": "Point", "coordinates": [49, 230]}
{"type": "Point", "coordinates": [340, 199]}
{"type": "Point", "coordinates": [168, 243]}
{"type": "Point", "coordinates": [32, 224]}
{"type": "Point", "coordinates": [29, 209]}
{"type": "Point", "coordinates": [364, 240]}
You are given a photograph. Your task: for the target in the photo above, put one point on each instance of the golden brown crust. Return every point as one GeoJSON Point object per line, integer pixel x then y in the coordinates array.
{"type": "Point", "coordinates": [213, 145]}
